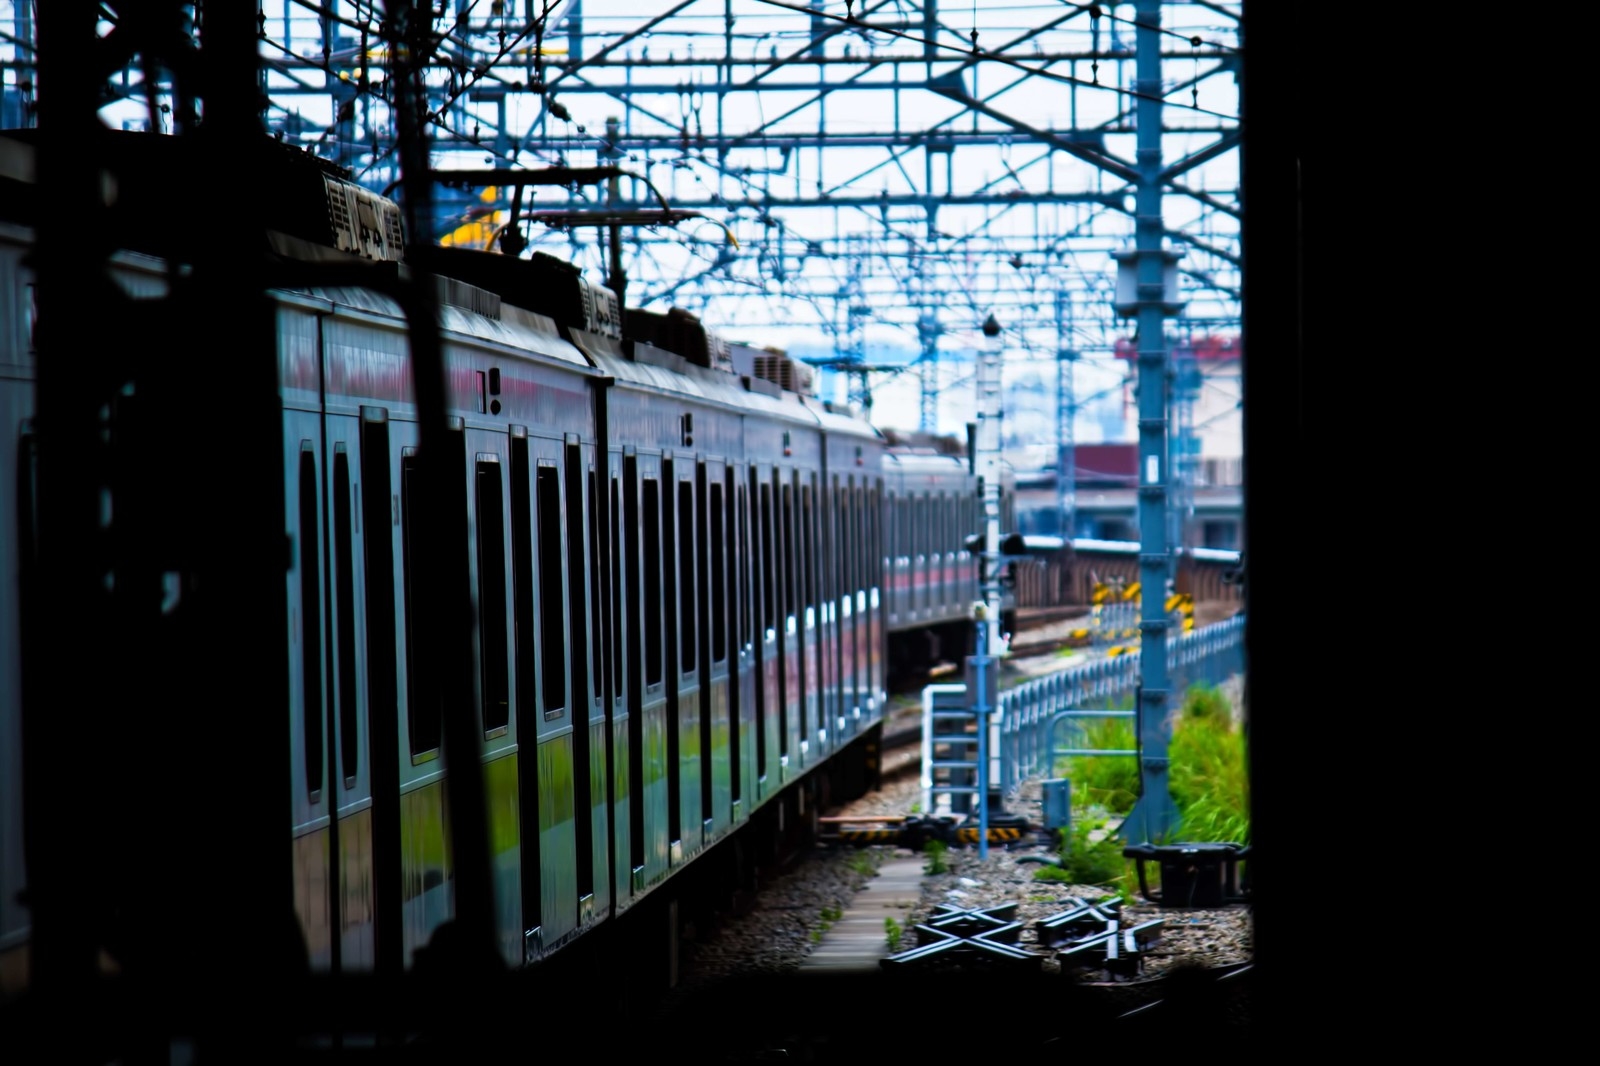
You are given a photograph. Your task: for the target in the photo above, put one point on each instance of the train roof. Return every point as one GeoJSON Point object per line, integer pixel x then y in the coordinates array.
{"type": "Point", "coordinates": [921, 459]}
{"type": "Point", "coordinates": [318, 215]}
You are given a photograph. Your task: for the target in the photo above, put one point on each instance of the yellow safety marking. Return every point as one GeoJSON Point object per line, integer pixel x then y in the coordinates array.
{"type": "Point", "coordinates": [1172, 602]}
{"type": "Point", "coordinates": [1116, 650]}
{"type": "Point", "coordinates": [1131, 592]}
{"type": "Point", "coordinates": [1100, 594]}
{"type": "Point", "coordinates": [995, 833]}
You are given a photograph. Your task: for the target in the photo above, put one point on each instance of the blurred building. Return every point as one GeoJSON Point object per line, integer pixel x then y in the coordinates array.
{"type": "Point", "coordinates": [1205, 457]}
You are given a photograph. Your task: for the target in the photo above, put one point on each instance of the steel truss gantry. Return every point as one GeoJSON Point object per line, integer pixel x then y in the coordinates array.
{"type": "Point", "coordinates": [894, 171]}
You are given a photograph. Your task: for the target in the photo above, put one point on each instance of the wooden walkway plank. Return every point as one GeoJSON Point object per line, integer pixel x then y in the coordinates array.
{"type": "Point", "coordinates": [858, 940]}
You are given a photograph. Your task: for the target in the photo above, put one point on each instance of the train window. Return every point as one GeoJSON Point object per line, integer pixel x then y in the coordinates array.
{"type": "Point", "coordinates": [877, 532]}
{"type": "Point", "coordinates": [577, 592]}
{"type": "Point", "coordinates": [864, 540]}
{"type": "Point", "coordinates": [808, 553]}
{"type": "Point", "coordinates": [919, 517]}
{"type": "Point", "coordinates": [941, 521]}
{"type": "Point", "coordinates": [378, 551]}
{"type": "Point", "coordinates": [828, 565]}
{"type": "Point", "coordinates": [492, 596]}
{"type": "Point", "coordinates": [310, 621]}
{"type": "Point", "coordinates": [789, 599]}
{"type": "Point", "coordinates": [894, 524]}
{"type": "Point", "coordinates": [552, 648]}
{"type": "Point", "coordinates": [686, 634]}
{"type": "Point", "coordinates": [769, 610]}
{"type": "Point", "coordinates": [847, 544]}
{"type": "Point", "coordinates": [863, 543]}
{"type": "Point", "coordinates": [596, 620]}
{"type": "Point", "coordinates": [719, 606]}
{"type": "Point", "coordinates": [925, 531]}
{"type": "Point", "coordinates": [422, 712]}
{"type": "Point", "coordinates": [522, 577]}
{"type": "Point", "coordinates": [728, 521]}
{"type": "Point", "coordinates": [344, 560]}
{"type": "Point", "coordinates": [844, 509]}
{"type": "Point", "coordinates": [759, 498]}
{"type": "Point", "coordinates": [616, 594]}
{"type": "Point", "coordinates": [843, 553]}
{"type": "Point", "coordinates": [652, 581]}
{"type": "Point", "coordinates": [742, 562]}
{"type": "Point", "coordinates": [702, 562]}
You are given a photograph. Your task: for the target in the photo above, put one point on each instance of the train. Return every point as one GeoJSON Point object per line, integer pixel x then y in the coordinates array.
{"type": "Point", "coordinates": [690, 586]}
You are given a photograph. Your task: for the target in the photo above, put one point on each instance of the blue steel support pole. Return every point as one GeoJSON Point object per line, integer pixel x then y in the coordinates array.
{"type": "Point", "coordinates": [1153, 817]}
{"type": "Point", "coordinates": [980, 681]}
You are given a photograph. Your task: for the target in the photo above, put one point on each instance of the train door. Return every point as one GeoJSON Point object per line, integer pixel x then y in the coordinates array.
{"type": "Point", "coordinates": [745, 720]}
{"type": "Point", "coordinates": [893, 526]}
{"type": "Point", "coordinates": [922, 560]}
{"type": "Point", "coordinates": [903, 546]}
{"type": "Point", "coordinates": [827, 567]}
{"type": "Point", "coordinates": [867, 565]}
{"type": "Point", "coordinates": [942, 592]}
{"type": "Point", "coordinates": [877, 647]}
{"type": "Point", "coordinates": [815, 731]}
{"type": "Point", "coordinates": [349, 747]}
{"type": "Point", "coordinates": [553, 770]}
{"type": "Point", "coordinates": [312, 795]}
{"type": "Point", "coordinates": [623, 673]}
{"type": "Point", "coordinates": [683, 689]}
{"type": "Point", "coordinates": [425, 857]}
{"type": "Point", "coordinates": [790, 614]}
{"type": "Point", "coordinates": [849, 619]}
{"type": "Point", "coordinates": [491, 572]}
{"type": "Point", "coordinates": [332, 804]}
{"type": "Point", "coordinates": [762, 568]}
{"type": "Point", "coordinates": [378, 508]}
{"type": "Point", "coordinates": [713, 597]}
{"type": "Point", "coordinates": [586, 615]}
{"type": "Point", "coordinates": [644, 575]}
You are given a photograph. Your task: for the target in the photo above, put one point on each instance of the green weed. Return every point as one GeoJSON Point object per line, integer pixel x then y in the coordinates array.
{"type": "Point", "coordinates": [1210, 771]}
{"type": "Point", "coordinates": [1110, 782]}
{"type": "Point", "coordinates": [935, 850]}
{"type": "Point", "coordinates": [864, 864]}
{"type": "Point", "coordinates": [892, 932]}
{"type": "Point", "coordinates": [1206, 701]}
{"type": "Point", "coordinates": [1208, 777]}
{"type": "Point", "coordinates": [1085, 861]}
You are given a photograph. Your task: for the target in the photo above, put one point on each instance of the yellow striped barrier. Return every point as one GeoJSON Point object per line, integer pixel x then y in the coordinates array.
{"type": "Point", "coordinates": [997, 835]}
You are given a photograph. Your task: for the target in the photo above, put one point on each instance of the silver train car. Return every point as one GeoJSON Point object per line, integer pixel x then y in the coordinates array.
{"type": "Point", "coordinates": [684, 584]}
